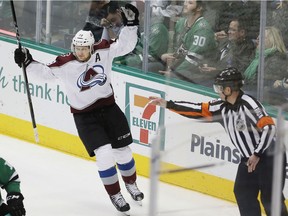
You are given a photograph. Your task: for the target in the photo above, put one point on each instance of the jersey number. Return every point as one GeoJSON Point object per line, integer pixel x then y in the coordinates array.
{"type": "Point", "coordinates": [199, 40]}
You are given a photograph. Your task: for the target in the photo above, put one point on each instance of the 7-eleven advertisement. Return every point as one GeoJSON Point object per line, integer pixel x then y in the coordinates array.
{"type": "Point", "coordinates": [143, 118]}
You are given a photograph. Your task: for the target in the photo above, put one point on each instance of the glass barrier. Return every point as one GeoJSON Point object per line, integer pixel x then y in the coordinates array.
{"type": "Point", "coordinates": [178, 40]}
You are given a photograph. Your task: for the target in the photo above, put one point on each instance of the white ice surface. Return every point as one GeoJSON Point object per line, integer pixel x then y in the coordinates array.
{"type": "Point", "coordinates": [57, 184]}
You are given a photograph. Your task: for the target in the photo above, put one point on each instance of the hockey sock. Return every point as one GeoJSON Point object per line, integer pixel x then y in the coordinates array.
{"type": "Point", "coordinates": [110, 180]}
{"type": "Point", "coordinates": [107, 169]}
{"type": "Point", "coordinates": [126, 164]}
{"type": "Point", "coordinates": [128, 171]}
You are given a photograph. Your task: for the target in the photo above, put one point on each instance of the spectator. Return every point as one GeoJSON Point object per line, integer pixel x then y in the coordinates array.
{"type": "Point", "coordinates": [275, 66]}
{"type": "Point", "coordinates": [277, 16]}
{"type": "Point", "coordinates": [235, 51]}
{"type": "Point", "coordinates": [194, 43]}
{"type": "Point", "coordinates": [163, 8]}
{"type": "Point", "coordinates": [98, 11]}
{"type": "Point", "coordinates": [10, 182]}
{"type": "Point", "coordinates": [158, 38]}
{"type": "Point", "coordinates": [281, 86]}
{"type": "Point", "coordinates": [247, 9]}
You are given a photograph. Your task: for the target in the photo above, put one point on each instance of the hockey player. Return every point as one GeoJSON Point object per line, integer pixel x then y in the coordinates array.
{"type": "Point", "coordinates": [101, 125]}
{"type": "Point", "coordinates": [10, 182]}
{"type": "Point", "coordinates": [251, 131]}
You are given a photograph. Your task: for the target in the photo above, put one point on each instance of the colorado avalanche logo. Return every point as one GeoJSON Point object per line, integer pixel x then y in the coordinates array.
{"type": "Point", "coordinates": [91, 77]}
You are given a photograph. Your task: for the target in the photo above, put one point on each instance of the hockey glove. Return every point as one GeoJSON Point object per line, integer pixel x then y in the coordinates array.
{"type": "Point", "coordinates": [22, 56]}
{"type": "Point", "coordinates": [15, 204]}
{"type": "Point", "coordinates": [130, 15]}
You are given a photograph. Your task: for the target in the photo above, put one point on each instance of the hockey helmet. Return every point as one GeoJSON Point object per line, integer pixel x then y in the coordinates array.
{"type": "Point", "coordinates": [229, 77]}
{"type": "Point", "coordinates": [83, 38]}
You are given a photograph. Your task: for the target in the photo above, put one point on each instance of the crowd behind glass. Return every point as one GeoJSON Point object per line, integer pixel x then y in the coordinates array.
{"type": "Point", "coordinates": [188, 40]}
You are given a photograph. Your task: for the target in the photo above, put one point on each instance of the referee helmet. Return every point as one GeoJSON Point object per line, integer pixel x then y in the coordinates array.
{"type": "Point", "coordinates": [229, 77]}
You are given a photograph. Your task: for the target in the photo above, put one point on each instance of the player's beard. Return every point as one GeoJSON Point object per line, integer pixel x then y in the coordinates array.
{"type": "Point", "coordinates": [83, 59]}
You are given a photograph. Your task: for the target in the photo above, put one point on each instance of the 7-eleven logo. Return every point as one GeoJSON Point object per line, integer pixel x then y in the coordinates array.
{"type": "Point", "coordinates": [144, 119]}
{"type": "Point", "coordinates": [144, 122]}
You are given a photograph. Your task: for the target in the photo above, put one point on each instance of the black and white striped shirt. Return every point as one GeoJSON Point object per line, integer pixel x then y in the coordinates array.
{"type": "Point", "coordinates": [246, 122]}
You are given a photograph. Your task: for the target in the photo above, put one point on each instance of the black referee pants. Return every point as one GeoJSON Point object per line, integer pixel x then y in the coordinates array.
{"type": "Point", "coordinates": [248, 185]}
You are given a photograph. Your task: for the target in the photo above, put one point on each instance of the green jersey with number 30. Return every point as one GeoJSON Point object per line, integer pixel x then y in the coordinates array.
{"type": "Point", "coordinates": [196, 45]}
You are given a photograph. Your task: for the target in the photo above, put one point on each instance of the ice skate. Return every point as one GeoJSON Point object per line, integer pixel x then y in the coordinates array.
{"type": "Point", "coordinates": [135, 193]}
{"type": "Point", "coordinates": [120, 203]}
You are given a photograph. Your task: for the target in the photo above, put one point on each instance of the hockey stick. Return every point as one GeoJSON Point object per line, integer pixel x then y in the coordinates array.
{"type": "Point", "coordinates": [25, 75]}
{"type": "Point", "coordinates": [190, 168]}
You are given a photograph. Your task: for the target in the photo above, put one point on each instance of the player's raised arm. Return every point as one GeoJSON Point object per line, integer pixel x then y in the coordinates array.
{"type": "Point", "coordinates": [128, 37]}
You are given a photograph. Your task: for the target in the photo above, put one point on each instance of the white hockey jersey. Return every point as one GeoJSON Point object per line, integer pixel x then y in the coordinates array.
{"type": "Point", "coordinates": [88, 84]}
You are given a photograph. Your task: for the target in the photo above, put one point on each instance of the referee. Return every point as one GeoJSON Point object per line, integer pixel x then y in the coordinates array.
{"type": "Point", "coordinates": [251, 131]}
